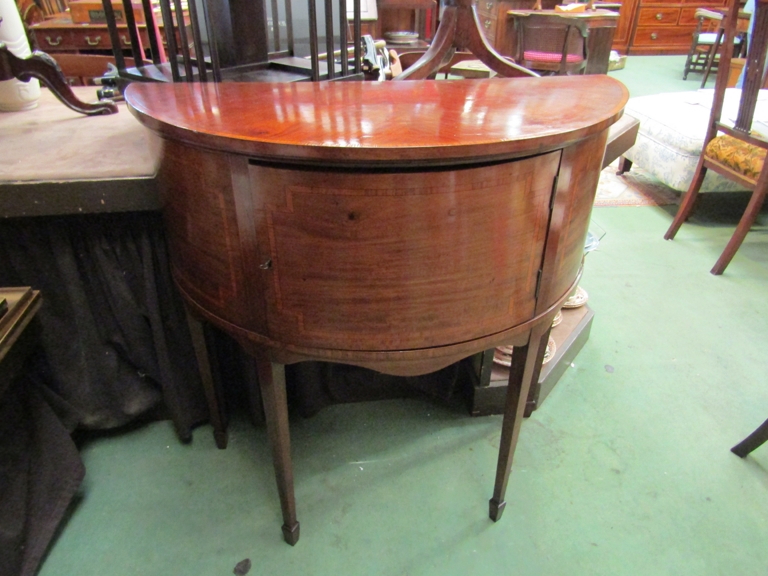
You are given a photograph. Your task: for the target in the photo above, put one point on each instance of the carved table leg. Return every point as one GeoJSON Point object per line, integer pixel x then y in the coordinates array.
{"type": "Point", "coordinates": [41, 66]}
{"type": "Point", "coordinates": [213, 394]}
{"type": "Point", "coordinates": [526, 362]}
{"type": "Point", "coordinates": [272, 384]}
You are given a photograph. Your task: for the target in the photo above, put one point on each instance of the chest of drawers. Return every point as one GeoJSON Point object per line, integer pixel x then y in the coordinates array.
{"type": "Point", "coordinates": [666, 27]}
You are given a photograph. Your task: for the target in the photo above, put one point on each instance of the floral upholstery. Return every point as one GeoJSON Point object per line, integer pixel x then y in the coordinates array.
{"type": "Point", "coordinates": [672, 131]}
{"type": "Point", "coordinates": [739, 156]}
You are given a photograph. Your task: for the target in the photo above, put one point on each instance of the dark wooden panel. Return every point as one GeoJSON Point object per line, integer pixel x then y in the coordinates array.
{"type": "Point", "coordinates": [398, 261]}
{"type": "Point", "coordinates": [203, 237]}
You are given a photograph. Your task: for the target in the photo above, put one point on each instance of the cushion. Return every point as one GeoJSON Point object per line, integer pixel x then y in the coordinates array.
{"type": "Point", "coordinates": [672, 131]}
{"type": "Point", "coordinates": [537, 56]}
{"type": "Point", "coordinates": [739, 156]}
{"type": "Point", "coordinates": [706, 38]}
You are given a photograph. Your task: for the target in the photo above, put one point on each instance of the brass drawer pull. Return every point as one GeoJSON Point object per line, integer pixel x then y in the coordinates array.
{"type": "Point", "coordinates": [487, 24]}
{"type": "Point", "coordinates": [52, 42]}
{"type": "Point", "coordinates": [488, 5]}
{"type": "Point", "coordinates": [654, 36]}
{"type": "Point", "coordinates": [659, 16]}
{"type": "Point", "coordinates": [95, 42]}
{"type": "Point", "coordinates": [125, 40]}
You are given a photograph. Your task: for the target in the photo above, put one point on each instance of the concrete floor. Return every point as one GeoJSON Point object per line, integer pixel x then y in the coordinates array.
{"type": "Point", "coordinates": [625, 469]}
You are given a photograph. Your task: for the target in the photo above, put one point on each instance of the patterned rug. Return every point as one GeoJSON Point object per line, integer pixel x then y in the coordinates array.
{"type": "Point", "coordinates": [634, 188]}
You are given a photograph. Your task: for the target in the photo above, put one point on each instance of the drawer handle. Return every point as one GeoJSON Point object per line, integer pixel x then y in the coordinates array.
{"type": "Point", "coordinates": [659, 16]}
{"type": "Point", "coordinates": [95, 42]}
{"type": "Point", "coordinates": [487, 24]}
{"type": "Point", "coordinates": [125, 40]}
{"type": "Point", "coordinates": [488, 5]}
{"type": "Point", "coordinates": [53, 42]}
{"type": "Point", "coordinates": [654, 36]}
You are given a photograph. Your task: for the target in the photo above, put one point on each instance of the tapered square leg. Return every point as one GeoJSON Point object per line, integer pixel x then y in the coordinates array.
{"type": "Point", "coordinates": [525, 363]}
{"type": "Point", "coordinates": [213, 393]}
{"type": "Point", "coordinates": [272, 385]}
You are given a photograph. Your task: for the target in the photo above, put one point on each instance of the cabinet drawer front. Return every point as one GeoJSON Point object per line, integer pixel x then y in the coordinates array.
{"type": "Point", "coordinates": [707, 3]}
{"type": "Point", "coordinates": [488, 25]}
{"type": "Point", "coordinates": [53, 39]}
{"type": "Point", "coordinates": [486, 7]}
{"type": "Point", "coordinates": [92, 38]}
{"type": "Point", "coordinates": [125, 38]}
{"type": "Point", "coordinates": [661, 36]}
{"type": "Point", "coordinates": [658, 16]}
{"type": "Point", "coordinates": [688, 17]}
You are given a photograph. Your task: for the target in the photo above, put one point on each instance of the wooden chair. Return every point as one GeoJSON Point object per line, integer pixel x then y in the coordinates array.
{"type": "Point", "coordinates": [236, 41]}
{"type": "Point", "coordinates": [704, 36]}
{"type": "Point", "coordinates": [734, 151]}
{"type": "Point", "coordinates": [740, 40]}
{"type": "Point", "coordinates": [551, 43]}
{"type": "Point", "coordinates": [753, 441]}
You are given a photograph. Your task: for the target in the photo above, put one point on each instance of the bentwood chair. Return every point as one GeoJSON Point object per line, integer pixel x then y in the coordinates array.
{"type": "Point", "coordinates": [734, 150]}
{"type": "Point", "coordinates": [753, 441]}
{"type": "Point", "coordinates": [551, 43]}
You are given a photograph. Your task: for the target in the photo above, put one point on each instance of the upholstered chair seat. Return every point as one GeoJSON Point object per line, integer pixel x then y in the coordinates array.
{"type": "Point", "coordinates": [742, 157]}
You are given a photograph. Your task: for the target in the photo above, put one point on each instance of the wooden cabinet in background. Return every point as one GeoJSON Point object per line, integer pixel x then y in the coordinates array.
{"type": "Point", "coordinates": [623, 35]}
{"type": "Point", "coordinates": [665, 27]}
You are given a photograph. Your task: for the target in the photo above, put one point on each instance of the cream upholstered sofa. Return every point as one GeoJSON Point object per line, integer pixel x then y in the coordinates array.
{"type": "Point", "coordinates": [672, 131]}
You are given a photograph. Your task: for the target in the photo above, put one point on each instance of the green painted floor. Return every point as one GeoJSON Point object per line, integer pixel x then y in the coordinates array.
{"type": "Point", "coordinates": [624, 470]}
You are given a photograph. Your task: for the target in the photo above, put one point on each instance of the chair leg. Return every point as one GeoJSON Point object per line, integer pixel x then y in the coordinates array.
{"type": "Point", "coordinates": [753, 441]}
{"type": "Point", "coordinates": [747, 219]}
{"type": "Point", "coordinates": [625, 165]}
{"type": "Point", "coordinates": [272, 385]}
{"type": "Point", "coordinates": [521, 372]}
{"type": "Point", "coordinates": [686, 206]}
{"type": "Point", "coordinates": [712, 54]}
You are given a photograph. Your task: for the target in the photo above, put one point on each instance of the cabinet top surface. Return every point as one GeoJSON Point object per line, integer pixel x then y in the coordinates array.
{"type": "Point", "coordinates": [416, 120]}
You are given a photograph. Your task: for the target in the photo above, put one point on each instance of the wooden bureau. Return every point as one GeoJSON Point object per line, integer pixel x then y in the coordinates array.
{"type": "Point", "coordinates": [664, 27]}
{"type": "Point", "coordinates": [62, 35]}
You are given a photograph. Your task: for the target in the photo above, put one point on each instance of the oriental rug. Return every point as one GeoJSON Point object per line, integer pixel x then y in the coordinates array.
{"type": "Point", "coordinates": [634, 188]}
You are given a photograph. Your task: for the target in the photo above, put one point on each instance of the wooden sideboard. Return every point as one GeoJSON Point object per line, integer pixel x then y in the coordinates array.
{"type": "Point", "coordinates": [60, 34]}
{"type": "Point", "coordinates": [656, 27]}
{"type": "Point", "coordinates": [398, 226]}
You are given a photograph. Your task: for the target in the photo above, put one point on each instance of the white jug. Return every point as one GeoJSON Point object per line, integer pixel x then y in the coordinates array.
{"type": "Point", "coordinates": [15, 94]}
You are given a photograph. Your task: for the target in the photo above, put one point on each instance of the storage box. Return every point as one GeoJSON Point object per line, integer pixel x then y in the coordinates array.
{"type": "Point", "coordinates": [92, 12]}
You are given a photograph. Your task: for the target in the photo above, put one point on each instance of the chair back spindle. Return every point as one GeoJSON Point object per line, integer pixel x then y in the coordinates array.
{"type": "Point", "coordinates": [220, 40]}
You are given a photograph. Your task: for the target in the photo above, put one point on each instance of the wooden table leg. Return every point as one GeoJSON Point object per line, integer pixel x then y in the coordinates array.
{"type": "Point", "coordinates": [213, 393]}
{"type": "Point", "coordinates": [272, 385]}
{"type": "Point", "coordinates": [526, 363]}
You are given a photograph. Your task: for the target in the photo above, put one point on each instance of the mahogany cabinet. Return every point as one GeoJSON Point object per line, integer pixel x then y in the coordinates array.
{"type": "Point", "coordinates": [400, 226]}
